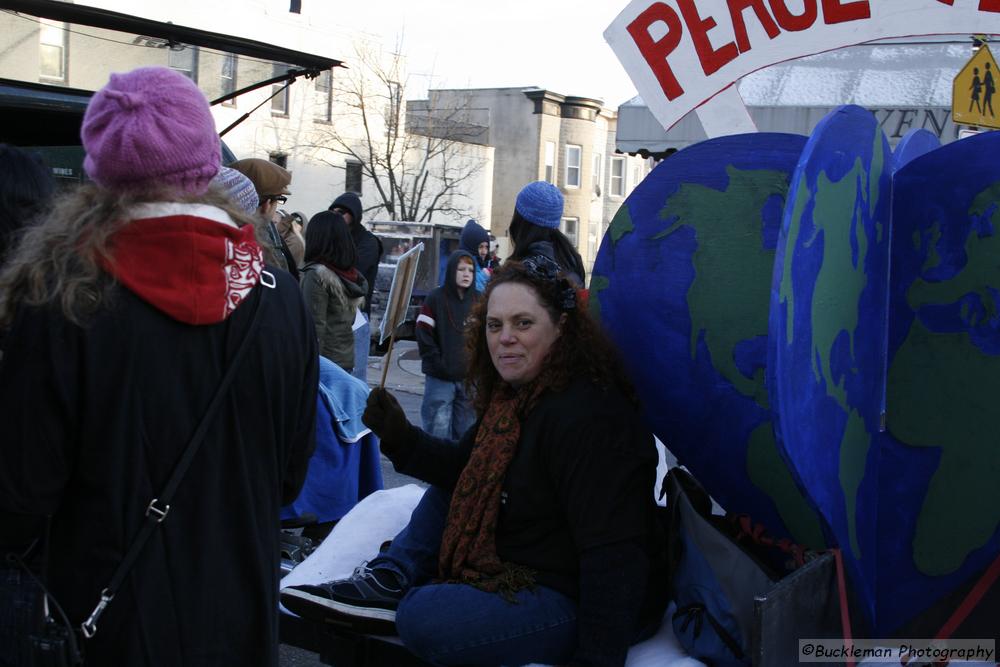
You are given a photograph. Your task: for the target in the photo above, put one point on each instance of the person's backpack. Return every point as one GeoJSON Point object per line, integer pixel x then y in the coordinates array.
{"type": "Point", "coordinates": [717, 566]}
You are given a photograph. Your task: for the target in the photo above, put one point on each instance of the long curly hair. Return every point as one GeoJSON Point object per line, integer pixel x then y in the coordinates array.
{"type": "Point", "coordinates": [58, 259]}
{"type": "Point", "coordinates": [583, 350]}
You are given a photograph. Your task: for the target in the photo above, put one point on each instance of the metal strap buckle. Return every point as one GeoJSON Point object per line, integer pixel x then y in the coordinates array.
{"type": "Point", "coordinates": [161, 514]}
{"type": "Point", "coordinates": [89, 626]}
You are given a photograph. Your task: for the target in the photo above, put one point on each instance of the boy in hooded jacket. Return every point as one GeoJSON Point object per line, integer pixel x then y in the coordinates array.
{"type": "Point", "coordinates": [447, 410]}
{"type": "Point", "coordinates": [476, 241]}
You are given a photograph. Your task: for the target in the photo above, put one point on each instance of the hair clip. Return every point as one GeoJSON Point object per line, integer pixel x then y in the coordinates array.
{"type": "Point", "coordinates": [548, 270]}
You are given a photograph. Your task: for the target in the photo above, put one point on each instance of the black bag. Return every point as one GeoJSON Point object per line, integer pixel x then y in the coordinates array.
{"type": "Point", "coordinates": [729, 582]}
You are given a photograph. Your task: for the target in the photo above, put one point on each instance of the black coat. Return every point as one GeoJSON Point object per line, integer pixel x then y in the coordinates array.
{"type": "Point", "coordinates": [94, 420]}
{"type": "Point", "coordinates": [369, 252]}
{"type": "Point", "coordinates": [577, 508]}
{"type": "Point", "coordinates": [440, 330]}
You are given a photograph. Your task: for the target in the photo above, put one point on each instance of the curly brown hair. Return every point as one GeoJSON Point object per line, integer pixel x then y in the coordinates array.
{"type": "Point", "coordinates": [58, 259]}
{"type": "Point", "coordinates": [582, 351]}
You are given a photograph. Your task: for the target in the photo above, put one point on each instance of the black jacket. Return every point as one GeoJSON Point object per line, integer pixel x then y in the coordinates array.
{"type": "Point", "coordinates": [368, 245]}
{"type": "Point", "coordinates": [369, 252]}
{"type": "Point", "coordinates": [94, 420]}
{"type": "Point", "coordinates": [577, 507]}
{"type": "Point", "coordinates": [441, 326]}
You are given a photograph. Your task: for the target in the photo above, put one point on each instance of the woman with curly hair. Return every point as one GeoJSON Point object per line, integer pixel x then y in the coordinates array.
{"type": "Point", "coordinates": [537, 540]}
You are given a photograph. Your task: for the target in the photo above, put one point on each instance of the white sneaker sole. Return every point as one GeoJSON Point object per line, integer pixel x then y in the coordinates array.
{"type": "Point", "coordinates": [367, 618]}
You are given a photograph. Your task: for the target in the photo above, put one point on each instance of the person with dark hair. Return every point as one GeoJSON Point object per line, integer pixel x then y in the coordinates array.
{"type": "Point", "coordinates": [537, 541]}
{"type": "Point", "coordinates": [144, 321]}
{"type": "Point", "coordinates": [534, 230]}
{"type": "Point", "coordinates": [370, 250]}
{"type": "Point", "coordinates": [332, 285]}
{"type": "Point", "coordinates": [26, 188]}
{"type": "Point", "coordinates": [476, 241]}
{"type": "Point", "coordinates": [446, 411]}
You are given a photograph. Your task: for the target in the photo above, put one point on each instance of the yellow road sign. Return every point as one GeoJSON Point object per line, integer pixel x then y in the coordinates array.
{"type": "Point", "coordinates": [974, 90]}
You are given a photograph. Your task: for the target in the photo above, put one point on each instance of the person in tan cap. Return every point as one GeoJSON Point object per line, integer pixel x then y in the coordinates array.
{"type": "Point", "coordinates": [271, 182]}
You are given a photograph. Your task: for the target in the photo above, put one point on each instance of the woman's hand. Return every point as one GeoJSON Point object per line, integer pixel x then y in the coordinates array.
{"type": "Point", "coordinates": [385, 417]}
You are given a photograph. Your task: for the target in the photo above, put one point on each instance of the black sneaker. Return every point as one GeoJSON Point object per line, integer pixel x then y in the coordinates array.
{"type": "Point", "coordinates": [366, 602]}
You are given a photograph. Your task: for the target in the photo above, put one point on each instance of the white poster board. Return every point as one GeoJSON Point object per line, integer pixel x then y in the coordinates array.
{"type": "Point", "coordinates": [400, 292]}
{"type": "Point", "coordinates": [682, 53]}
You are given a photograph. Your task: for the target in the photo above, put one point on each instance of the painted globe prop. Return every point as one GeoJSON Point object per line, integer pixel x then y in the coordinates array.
{"type": "Point", "coordinates": [813, 326]}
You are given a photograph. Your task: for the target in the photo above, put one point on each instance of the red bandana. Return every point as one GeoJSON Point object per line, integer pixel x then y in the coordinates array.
{"type": "Point", "coordinates": [194, 269]}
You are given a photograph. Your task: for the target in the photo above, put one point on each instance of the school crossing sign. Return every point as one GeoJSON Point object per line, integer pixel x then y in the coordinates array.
{"type": "Point", "coordinates": [973, 95]}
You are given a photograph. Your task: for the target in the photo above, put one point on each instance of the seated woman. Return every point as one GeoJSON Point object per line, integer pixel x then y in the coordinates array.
{"type": "Point", "coordinates": [333, 288]}
{"type": "Point", "coordinates": [537, 541]}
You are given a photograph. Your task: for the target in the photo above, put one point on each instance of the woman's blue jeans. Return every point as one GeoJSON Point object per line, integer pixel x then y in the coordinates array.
{"type": "Point", "coordinates": [457, 624]}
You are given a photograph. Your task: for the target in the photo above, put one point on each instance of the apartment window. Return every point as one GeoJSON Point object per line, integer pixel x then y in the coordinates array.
{"type": "Point", "coordinates": [323, 101]}
{"type": "Point", "coordinates": [573, 158]}
{"type": "Point", "coordinates": [570, 227]}
{"type": "Point", "coordinates": [52, 50]}
{"type": "Point", "coordinates": [295, 7]}
{"type": "Point", "coordinates": [593, 229]}
{"type": "Point", "coordinates": [227, 77]}
{"type": "Point", "coordinates": [184, 59]}
{"type": "Point", "coordinates": [279, 103]}
{"type": "Point", "coordinates": [352, 177]}
{"type": "Point", "coordinates": [550, 161]}
{"type": "Point", "coordinates": [596, 178]}
{"type": "Point", "coordinates": [617, 185]}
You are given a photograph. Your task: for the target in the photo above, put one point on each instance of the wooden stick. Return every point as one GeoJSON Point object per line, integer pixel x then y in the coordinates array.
{"type": "Point", "coordinates": [388, 359]}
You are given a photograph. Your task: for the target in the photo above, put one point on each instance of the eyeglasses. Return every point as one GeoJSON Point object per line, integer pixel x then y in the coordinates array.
{"type": "Point", "coordinates": [281, 199]}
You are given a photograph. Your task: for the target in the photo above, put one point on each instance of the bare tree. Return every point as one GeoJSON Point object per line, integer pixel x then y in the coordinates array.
{"type": "Point", "coordinates": [418, 163]}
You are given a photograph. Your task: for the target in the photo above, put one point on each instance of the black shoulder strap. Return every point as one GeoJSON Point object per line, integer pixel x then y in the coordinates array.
{"type": "Point", "coordinates": [158, 508]}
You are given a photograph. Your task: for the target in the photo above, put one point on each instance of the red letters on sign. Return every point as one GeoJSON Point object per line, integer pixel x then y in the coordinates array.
{"type": "Point", "coordinates": [838, 11]}
{"type": "Point", "coordinates": [989, 5]}
{"type": "Point", "coordinates": [736, 9]}
{"type": "Point", "coordinates": [656, 52]}
{"type": "Point", "coordinates": [712, 59]}
{"type": "Point", "coordinates": [791, 22]}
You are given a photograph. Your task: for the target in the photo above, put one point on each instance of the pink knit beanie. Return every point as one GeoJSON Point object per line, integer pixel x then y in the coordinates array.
{"type": "Point", "coordinates": [147, 128]}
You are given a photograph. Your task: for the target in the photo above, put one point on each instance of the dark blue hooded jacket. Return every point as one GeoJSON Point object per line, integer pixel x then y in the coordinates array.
{"type": "Point", "coordinates": [441, 326]}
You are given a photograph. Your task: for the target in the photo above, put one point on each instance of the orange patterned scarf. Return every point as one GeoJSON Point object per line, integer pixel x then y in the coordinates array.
{"type": "Point", "coordinates": [468, 545]}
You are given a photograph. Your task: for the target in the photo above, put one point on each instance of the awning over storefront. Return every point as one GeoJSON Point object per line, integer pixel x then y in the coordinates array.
{"type": "Point", "coordinates": [905, 84]}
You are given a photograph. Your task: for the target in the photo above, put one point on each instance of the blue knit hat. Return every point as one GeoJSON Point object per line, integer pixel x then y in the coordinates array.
{"type": "Point", "coordinates": [540, 203]}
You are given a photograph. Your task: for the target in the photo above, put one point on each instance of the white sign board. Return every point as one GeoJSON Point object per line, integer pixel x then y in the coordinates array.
{"type": "Point", "coordinates": [682, 53]}
{"type": "Point", "coordinates": [400, 292]}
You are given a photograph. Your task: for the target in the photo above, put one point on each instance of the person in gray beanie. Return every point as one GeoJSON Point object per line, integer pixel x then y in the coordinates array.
{"type": "Point", "coordinates": [534, 230]}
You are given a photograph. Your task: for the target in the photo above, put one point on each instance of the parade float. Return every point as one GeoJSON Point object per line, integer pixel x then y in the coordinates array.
{"type": "Point", "coordinates": [813, 322]}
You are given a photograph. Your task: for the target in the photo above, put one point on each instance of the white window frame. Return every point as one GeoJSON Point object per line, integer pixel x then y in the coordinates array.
{"type": "Point", "coordinates": [618, 191]}
{"type": "Point", "coordinates": [358, 168]}
{"type": "Point", "coordinates": [323, 111]}
{"type": "Point", "coordinates": [571, 168]}
{"type": "Point", "coordinates": [596, 176]}
{"type": "Point", "coordinates": [550, 162]}
{"type": "Point", "coordinates": [279, 103]}
{"type": "Point", "coordinates": [229, 82]}
{"type": "Point", "coordinates": [593, 238]}
{"type": "Point", "coordinates": [574, 236]}
{"type": "Point", "coordinates": [191, 73]}
{"type": "Point", "coordinates": [53, 35]}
